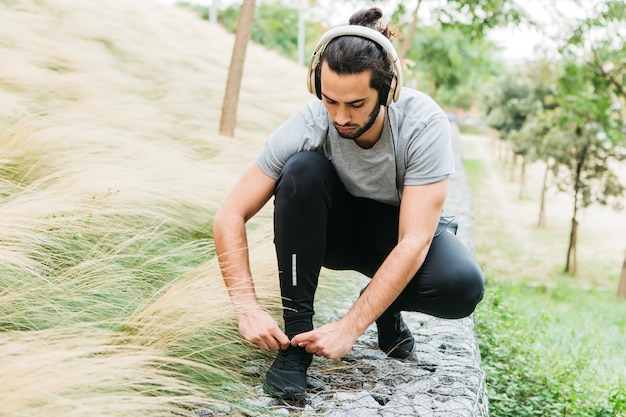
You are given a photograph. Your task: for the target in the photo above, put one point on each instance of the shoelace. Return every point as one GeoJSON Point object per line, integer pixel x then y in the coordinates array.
{"type": "Point", "coordinates": [292, 358]}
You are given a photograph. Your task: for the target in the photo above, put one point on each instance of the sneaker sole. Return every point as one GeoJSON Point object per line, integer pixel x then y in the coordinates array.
{"type": "Point", "coordinates": [395, 351]}
{"type": "Point", "coordinates": [288, 395]}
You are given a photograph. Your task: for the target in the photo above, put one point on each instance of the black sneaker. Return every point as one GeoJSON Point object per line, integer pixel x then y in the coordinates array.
{"type": "Point", "coordinates": [394, 336]}
{"type": "Point", "coordinates": [286, 378]}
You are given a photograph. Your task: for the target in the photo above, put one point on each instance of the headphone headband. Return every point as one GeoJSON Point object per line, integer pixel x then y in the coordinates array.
{"type": "Point", "coordinates": [362, 32]}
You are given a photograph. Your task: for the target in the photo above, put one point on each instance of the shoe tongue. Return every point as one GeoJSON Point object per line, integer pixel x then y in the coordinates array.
{"type": "Point", "coordinates": [293, 352]}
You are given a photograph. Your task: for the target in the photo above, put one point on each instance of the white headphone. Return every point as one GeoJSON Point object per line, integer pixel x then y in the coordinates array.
{"type": "Point", "coordinates": [363, 32]}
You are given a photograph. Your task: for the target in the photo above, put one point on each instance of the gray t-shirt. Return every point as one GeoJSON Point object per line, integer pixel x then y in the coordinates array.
{"type": "Point", "coordinates": [414, 149]}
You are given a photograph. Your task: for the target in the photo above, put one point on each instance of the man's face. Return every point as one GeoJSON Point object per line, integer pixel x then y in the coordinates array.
{"type": "Point", "coordinates": [350, 101]}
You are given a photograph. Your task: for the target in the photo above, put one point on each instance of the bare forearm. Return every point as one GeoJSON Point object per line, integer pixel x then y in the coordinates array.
{"type": "Point", "coordinates": [414, 238]}
{"type": "Point", "coordinates": [389, 281]}
{"type": "Point", "coordinates": [232, 251]}
{"type": "Point", "coordinates": [256, 326]}
{"type": "Point", "coordinates": [248, 196]}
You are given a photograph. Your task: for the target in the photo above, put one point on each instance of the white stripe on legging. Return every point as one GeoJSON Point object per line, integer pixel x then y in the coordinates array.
{"type": "Point", "coordinates": [294, 274]}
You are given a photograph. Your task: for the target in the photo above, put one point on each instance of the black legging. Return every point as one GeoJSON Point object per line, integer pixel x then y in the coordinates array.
{"type": "Point", "coordinates": [318, 223]}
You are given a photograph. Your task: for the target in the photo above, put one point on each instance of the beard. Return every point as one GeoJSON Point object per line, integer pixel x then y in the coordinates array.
{"type": "Point", "coordinates": [371, 119]}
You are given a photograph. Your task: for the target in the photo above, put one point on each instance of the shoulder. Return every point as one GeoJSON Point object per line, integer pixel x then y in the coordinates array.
{"type": "Point", "coordinates": [416, 105]}
{"type": "Point", "coordinates": [306, 130]}
{"type": "Point", "coordinates": [315, 111]}
{"type": "Point", "coordinates": [308, 122]}
{"type": "Point", "coordinates": [414, 113]}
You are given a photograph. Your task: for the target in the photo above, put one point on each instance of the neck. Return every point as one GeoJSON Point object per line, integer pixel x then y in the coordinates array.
{"type": "Point", "coordinates": [372, 135]}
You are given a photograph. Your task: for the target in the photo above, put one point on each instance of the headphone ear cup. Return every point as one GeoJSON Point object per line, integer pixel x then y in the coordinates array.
{"type": "Point", "coordinates": [318, 82]}
{"type": "Point", "coordinates": [391, 92]}
{"type": "Point", "coordinates": [383, 96]}
{"type": "Point", "coordinates": [310, 80]}
{"type": "Point", "coordinates": [387, 94]}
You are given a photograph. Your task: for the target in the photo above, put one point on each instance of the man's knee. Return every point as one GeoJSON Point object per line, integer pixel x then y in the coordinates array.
{"type": "Point", "coordinates": [306, 163]}
{"type": "Point", "coordinates": [464, 289]}
{"type": "Point", "coordinates": [305, 173]}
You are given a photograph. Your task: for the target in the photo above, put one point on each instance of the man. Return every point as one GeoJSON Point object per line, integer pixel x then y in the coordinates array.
{"type": "Point", "coordinates": [359, 178]}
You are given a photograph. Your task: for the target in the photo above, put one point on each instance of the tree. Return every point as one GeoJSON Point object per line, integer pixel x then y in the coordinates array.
{"type": "Point", "coordinates": [472, 17]}
{"type": "Point", "coordinates": [476, 17]}
{"type": "Point", "coordinates": [592, 109]}
{"type": "Point", "coordinates": [446, 61]}
{"type": "Point", "coordinates": [602, 39]}
{"type": "Point", "coordinates": [408, 41]}
{"type": "Point", "coordinates": [535, 134]}
{"type": "Point", "coordinates": [621, 289]}
{"type": "Point", "coordinates": [530, 141]}
{"type": "Point", "coordinates": [507, 107]}
{"type": "Point", "coordinates": [235, 72]}
{"type": "Point", "coordinates": [588, 132]}
{"type": "Point", "coordinates": [574, 126]}
{"type": "Point", "coordinates": [274, 24]}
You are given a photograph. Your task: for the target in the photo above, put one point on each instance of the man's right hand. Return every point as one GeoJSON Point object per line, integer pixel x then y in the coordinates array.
{"type": "Point", "coordinates": [261, 330]}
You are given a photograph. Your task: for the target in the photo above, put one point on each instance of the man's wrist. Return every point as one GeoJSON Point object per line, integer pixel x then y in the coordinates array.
{"type": "Point", "coordinates": [246, 308]}
{"type": "Point", "coordinates": [352, 326]}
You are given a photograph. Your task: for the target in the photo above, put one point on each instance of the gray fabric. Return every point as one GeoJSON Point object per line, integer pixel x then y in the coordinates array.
{"type": "Point", "coordinates": [415, 125]}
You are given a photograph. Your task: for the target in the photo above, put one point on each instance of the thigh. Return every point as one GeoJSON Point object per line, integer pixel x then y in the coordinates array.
{"type": "Point", "coordinates": [342, 230]}
{"type": "Point", "coordinates": [361, 234]}
{"type": "Point", "coordinates": [449, 284]}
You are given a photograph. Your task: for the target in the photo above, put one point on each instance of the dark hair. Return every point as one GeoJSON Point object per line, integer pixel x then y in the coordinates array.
{"type": "Point", "coordinates": [353, 54]}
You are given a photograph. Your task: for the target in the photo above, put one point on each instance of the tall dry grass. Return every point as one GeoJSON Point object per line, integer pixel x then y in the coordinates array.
{"type": "Point", "coordinates": [110, 172]}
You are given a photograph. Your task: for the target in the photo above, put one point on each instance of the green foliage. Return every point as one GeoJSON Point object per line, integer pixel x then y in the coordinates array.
{"type": "Point", "coordinates": [509, 104]}
{"type": "Point", "coordinates": [475, 17]}
{"type": "Point", "coordinates": [275, 27]}
{"type": "Point", "coordinates": [449, 66]}
{"type": "Point", "coordinates": [529, 370]}
{"type": "Point", "coordinates": [586, 134]}
{"type": "Point", "coordinates": [601, 39]}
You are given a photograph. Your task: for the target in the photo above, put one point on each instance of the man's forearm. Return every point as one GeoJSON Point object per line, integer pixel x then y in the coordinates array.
{"type": "Point", "coordinates": [233, 257]}
{"type": "Point", "coordinates": [415, 236]}
{"type": "Point", "coordinates": [386, 285]}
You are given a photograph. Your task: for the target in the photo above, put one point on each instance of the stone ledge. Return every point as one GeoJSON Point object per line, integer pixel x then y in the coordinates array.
{"type": "Point", "coordinates": [442, 378]}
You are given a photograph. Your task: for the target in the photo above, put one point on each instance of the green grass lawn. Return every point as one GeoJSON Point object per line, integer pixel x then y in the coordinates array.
{"type": "Point", "coordinates": [552, 344]}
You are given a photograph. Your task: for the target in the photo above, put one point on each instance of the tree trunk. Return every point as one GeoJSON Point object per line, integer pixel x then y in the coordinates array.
{"type": "Point", "coordinates": [522, 181]}
{"type": "Point", "coordinates": [621, 290]}
{"type": "Point", "coordinates": [542, 205]}
{"type": "Point", "coordinates": [502, 151]}
{"type": "Point", "coordinates": [408, 40]}
{"type": "Point", "coordinates": [493, 138]}
{"type": "Point", "coordinates": [301, 31]}
{"type": "Point", "coordinates": [513, 167]}
{"type": "Point", "coordinates": [571, 264]}
{"type": "Point", "coordinates": [235, 72]}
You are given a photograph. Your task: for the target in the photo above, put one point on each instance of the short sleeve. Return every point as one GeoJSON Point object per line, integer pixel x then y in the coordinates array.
{"type": "Point", "coordinates": [304, 131]}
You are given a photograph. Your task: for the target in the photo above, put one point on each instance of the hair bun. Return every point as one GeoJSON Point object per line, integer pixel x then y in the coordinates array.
{"type": "Point", "coordinates": [366, 17]}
